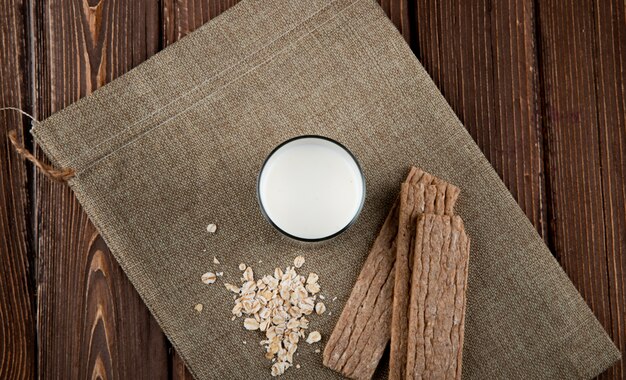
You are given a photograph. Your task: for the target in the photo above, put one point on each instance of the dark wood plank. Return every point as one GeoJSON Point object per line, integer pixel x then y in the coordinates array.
{"type": "Point", "coordinates": [179, 370]}
{"type": "Point", "coordinates": [582, 54]}
{"type": "Point", "coordinates": [91, 322]}
{"type": "Point", "coordinates": [610, 73]}
{"type": "Point", "coordinates": [17, 326]}
{"type": "Point", "coordinates": [181, 17]}
{"type": "Point", "coordinates": [481, 55]}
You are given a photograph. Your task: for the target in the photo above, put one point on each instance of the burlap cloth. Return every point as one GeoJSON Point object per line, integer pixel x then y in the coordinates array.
{"type": "Point", "coordinates": [177, 143]}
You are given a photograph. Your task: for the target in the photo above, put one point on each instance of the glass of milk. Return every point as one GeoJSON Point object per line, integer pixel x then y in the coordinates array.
{"type": "Point", "coordinates": [311, 188]}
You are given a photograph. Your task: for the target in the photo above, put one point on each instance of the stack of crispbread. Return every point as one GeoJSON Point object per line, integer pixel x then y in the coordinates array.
{"type": "Point", "coordinates": [411, 290]}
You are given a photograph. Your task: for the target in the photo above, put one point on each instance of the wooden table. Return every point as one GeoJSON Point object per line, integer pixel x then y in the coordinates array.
{"type": "Point", "coordinates": [540, 85]}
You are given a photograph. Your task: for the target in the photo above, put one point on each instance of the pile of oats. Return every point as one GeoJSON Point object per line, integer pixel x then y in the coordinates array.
{"type": "Point", "coordinates": [278, 305]}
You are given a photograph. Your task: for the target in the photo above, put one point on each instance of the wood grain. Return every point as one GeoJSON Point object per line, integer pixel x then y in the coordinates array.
{"type": "Point", "coordinates": [610, 77]}
{"type": "Point", "coordinates": [481, 55]}
{"type": "Point", "coordinates": [582, 50]}
{"type": "Point", "coordinates": [181, 17]}
{"type": "Point", "coordinates": [17, 327]}
{"type": "Point", "coordinates": [91, 322]}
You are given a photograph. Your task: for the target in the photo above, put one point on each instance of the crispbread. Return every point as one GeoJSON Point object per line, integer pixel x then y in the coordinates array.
{"type": "Point", "coordinates": [363, 329]}
{"type": "Point", "coordinates": [436, 197]}
{"type": "Point", "coordinates": [438, 298]}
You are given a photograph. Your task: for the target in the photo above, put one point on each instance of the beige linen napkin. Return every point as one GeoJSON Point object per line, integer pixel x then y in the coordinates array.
{"type": "Point", "coordinates": [177, 143]}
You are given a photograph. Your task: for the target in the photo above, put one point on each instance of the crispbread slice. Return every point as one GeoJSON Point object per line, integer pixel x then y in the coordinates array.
{"type": "Point", "coordinates": [438, 198]}
{"type": "Point", "coordinates": [437, 298]}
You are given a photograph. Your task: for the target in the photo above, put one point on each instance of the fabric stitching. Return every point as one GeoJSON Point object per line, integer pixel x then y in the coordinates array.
{"type": "Point", "coordinates": [221, 74]}
{"type": "Point", "coordinates": [153, 128]}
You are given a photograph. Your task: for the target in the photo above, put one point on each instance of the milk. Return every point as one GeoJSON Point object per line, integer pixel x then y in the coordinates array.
{"type": "Point", "coordinates": [311, 188]}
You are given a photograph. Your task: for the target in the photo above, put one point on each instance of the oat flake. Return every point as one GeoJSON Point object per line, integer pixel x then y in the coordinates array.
{"type": "Point", "coordinates": [208, 278]}
{"type": "Point", "coordinates": [320, 308]}
{"type": "Point", "coordinates": [298, 262]}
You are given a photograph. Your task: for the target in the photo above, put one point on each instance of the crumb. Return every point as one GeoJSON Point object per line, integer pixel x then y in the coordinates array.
{"type": "Point", "coordinates": [211, 228]}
